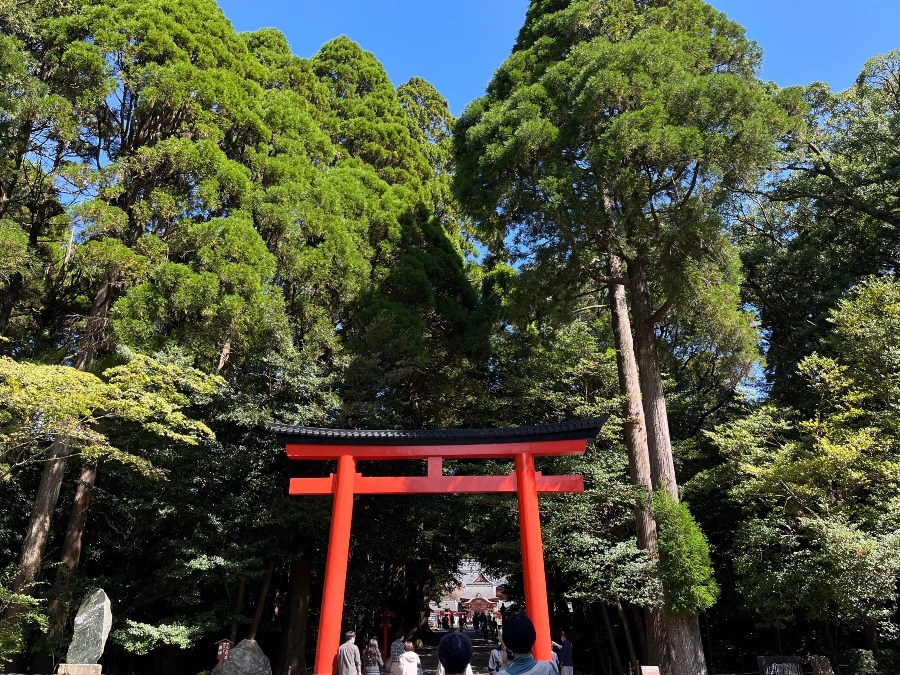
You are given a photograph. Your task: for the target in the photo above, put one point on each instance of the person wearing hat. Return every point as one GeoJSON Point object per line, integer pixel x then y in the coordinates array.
{"type": "Point", "coordinates": [454, 654]}
{"type": "Point", "coordinates": [519, 637]}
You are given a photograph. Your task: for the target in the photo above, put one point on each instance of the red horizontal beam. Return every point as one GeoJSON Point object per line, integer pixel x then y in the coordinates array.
{"type": "Point", "coordinates": [574, 446]}
{"type": "Point", "coordinates": [395, 485]}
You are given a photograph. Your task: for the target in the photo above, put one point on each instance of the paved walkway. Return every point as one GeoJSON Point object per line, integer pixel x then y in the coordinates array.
{"type": "Point", "coordinates": [480, 653]}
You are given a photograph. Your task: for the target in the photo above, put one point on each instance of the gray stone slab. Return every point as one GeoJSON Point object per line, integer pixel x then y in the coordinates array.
{"type": "Point", "coordinates": [92, 624]}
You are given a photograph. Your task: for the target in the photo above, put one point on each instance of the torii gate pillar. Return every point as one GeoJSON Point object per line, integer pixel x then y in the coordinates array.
{"type": "Point", "coordinates": [348, 447]}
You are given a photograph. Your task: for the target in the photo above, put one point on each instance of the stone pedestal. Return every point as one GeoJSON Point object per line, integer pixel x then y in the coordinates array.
{"type": "Point", "coordinates": [79, 669]}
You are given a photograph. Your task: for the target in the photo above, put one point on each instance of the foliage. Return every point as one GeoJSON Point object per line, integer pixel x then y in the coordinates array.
{"type": "Point", "coordinates": [97, 414]}
{"type": "Point", "coordinates": [685, 568]}
{"type": "Point", "coordinates": [140, 638]}
{"type": "Point", "coordinates": [30, 614]}
{"type": "Point", "coordinates": [828, 217]}
{"type": "Point", "coordinates": [825, 569]}
{"type": "Point", "coordinates": [820, 492]}
{"type": "Point", "coordinates": [866, 662]}
{"type": "Point", "coordinates": [630, 138]}
{"type": "Point", "coordinates": [201, 232]}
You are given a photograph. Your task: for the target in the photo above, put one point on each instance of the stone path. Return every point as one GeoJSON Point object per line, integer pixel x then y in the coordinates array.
{"type": "Point", "coordinates": [480, 653]}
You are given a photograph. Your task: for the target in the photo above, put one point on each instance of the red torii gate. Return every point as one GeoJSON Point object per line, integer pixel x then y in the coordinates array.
{"type": "Point", "coordinates": [522, 444]}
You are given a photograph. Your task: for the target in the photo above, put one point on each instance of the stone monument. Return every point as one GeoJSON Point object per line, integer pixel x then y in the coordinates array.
{"type": "Point", "coordinates": [779, 665]}
{"type": "Point", "coordinates": [92, 624]}
{"type": "Point", "coordinates": [245, 658]}
{"type": "Point", "coordinates": [821, 665]}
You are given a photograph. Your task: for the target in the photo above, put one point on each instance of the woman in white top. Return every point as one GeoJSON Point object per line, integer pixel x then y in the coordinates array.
{"type": "Point", "coordinates": [409, 661]}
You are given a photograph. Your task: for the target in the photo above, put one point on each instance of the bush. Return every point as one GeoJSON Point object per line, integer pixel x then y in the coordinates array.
{"type": "Point", "coordinates": [28, 614]}
{"type": "Point", "coordinates": [860, 662]}
{"type": "Point", "coordinates": [685, 568]}
{"type": "Point", "coordinates": [888, 662]}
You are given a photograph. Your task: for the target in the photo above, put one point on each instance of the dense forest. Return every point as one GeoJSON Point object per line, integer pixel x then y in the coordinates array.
{"type": "Point", "coordinates": [202, 234]}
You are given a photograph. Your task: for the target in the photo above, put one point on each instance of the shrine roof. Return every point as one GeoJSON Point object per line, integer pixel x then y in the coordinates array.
{"type": "Point", "coordinates": [558, 431]}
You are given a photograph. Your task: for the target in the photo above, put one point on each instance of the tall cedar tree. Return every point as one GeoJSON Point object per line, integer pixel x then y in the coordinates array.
{"type": "Point", "coordinates": [604, 148]}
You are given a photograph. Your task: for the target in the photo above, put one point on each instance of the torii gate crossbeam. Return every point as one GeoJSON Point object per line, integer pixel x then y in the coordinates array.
{"type": "Point", "coordinates": [521, 444]}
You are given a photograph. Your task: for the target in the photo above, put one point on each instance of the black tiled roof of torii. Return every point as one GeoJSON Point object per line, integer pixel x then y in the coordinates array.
{"type": "Point", "coordinates": [556, 431]}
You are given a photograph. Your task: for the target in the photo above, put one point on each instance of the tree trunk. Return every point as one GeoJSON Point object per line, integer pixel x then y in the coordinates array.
{"type": "Point", "coordinates": [224, 355]}
{"type": "Point", "coordinates": [563, 618]}
{"type": "Point", "coordinates": [683, 630]}
{"type": "Point", "coordinates": [405, 591]}
{"type": "Point", "coordinates": [261, 602]}
{"type": "Point", "coordinates": [13, 292]}
{"type": "Point", "coordinates": [598, 648]}
{"type": "Point", "coordinates": [238, 608]}
{"type": "Point", "coordinates": [631, 651]}
{"type": "Point", "coordinates": [71, 552]}
{"type": "Point", "coordinates": [638, 452]}
{"type": "Point", "coordinates": [36, 536]}
{"type": "Point", "coordinates": [635, 428]}
{"type": "Point", "coordinates": [833, 649]}
{"type": "Point", "coordinates": [653, 397]}
{"type": "Point", "coordinates": [293, 649]}
{"type": "Point", "coordinates": [686, 644]}
{"type": "Point", "coordinates": [641, 633]}
{"type": "Point", "coordinates": [871, 630]}
{"type": "Point", "coordinates": [95, 332]}
{"type": "Point", "coordinates": [613, 649]}
{"type": "Point", "coordinates": [38, 529]}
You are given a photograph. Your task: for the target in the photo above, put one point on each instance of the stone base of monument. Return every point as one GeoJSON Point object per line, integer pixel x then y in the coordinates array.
{"type": "Point", "coordinates": [79, 669]}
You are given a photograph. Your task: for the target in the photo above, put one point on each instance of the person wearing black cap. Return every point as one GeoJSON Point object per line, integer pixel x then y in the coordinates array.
{"type": "Point", "coordinates": [519, 637]}
{"type": "Point", "coordinates": [454, 653]}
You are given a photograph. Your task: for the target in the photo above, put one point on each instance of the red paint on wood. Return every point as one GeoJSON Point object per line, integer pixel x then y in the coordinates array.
{"type": "Point", "coordinates": [336, 566]}
{"type": "Point", "coordinates": [435, 467]}
{"type": "Point", "coordinates": [536, 605]}
{"type": "Point", "coordinates": [574, 446]}
{"type": "Point", "coordinates": [399, 485]}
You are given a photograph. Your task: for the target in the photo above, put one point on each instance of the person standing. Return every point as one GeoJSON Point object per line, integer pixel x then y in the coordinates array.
{"type": "Point", "coordinates": [371, 659]}
{"type": "Point", "coordinates": [454, 654]}
{"type": "Point", "coordinates": [348, 659]}
{"type": "Point", "coordinates": [519, 636]}
{"type": "Point", "coordinates": [564, 648]}
{"type": "Point", "coordinates": [397, 648]}
{"type": "Point", "coordinates": [497, 660]}
{"type": "Point", "coordinates": [409, 661]}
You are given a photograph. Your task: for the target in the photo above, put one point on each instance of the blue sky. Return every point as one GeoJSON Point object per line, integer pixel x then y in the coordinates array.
{"type": "Point", "coordinates": [457, 45]}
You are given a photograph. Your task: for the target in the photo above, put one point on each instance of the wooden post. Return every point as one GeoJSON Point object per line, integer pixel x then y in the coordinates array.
{"type": "Point", "coordinates": [330, 620]}
{"type": "Point", "coordinates": [533, 555]}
